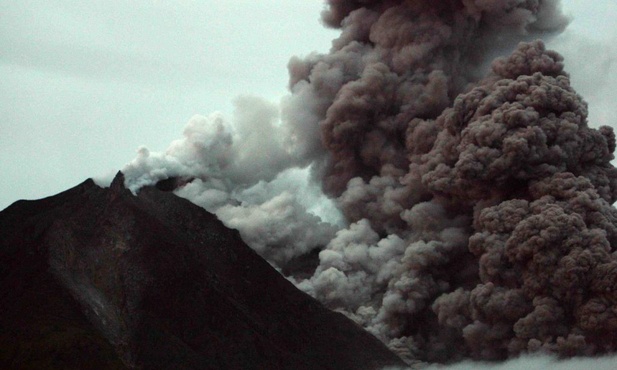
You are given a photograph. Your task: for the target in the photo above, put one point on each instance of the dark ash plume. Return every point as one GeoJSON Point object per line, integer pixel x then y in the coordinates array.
{"type": "Point", "coordinates": [400, 60]}
{"type": "Point", "coordinates": [477, 198]}
{"type": "Point", "coordinates": [420, 153]}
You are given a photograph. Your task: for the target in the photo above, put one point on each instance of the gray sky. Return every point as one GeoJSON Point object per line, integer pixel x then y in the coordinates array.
{"type": "Point", "coordinates": [83, 84]}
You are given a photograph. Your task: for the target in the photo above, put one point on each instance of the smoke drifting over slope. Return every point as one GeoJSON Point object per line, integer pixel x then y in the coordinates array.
{"type": "Point", "coordinates": [477, 200]}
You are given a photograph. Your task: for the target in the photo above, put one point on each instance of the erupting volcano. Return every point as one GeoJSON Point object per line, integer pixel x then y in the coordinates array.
{"type": "Point", "coordinates": [458, 203]}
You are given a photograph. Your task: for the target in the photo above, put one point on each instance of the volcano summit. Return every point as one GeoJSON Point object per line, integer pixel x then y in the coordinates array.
{"type": "Point", "coordinates": [102, 279]}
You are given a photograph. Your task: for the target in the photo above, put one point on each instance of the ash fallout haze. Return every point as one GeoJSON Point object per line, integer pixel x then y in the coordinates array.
{"type": "Point", "coordinates": [440, 156]}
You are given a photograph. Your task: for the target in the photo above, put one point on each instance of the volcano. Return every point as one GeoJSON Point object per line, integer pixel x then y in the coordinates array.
{"type": "Point", "coordinates": [102, 278]}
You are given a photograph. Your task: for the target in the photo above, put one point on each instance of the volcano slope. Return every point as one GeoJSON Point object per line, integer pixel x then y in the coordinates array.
{"type": "Point", "coordinates": [99, 278]}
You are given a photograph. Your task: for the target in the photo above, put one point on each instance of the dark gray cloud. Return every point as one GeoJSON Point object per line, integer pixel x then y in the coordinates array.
{"type": "Point", "coordinates": [479, 209]}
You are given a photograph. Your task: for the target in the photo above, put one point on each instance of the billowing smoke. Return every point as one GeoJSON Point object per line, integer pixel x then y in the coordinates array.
{"type": "Point", "coordinates": [476, 199]}
{"type": "Point", "coordinates": [240, 171]}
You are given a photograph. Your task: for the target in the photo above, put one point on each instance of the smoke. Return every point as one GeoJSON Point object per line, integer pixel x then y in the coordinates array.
{"type": "Point", "coordinates": [526, 363]}
{"type": "Point", "coordinates": [242, 171]}
{"type": "Point", "coordinates": [475, 199]}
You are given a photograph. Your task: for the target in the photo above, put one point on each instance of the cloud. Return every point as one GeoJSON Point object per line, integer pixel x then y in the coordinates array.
{"type": "Point", "coordinates": [537, 362]}
{"type": "Point", "coordinates": [476, 196]}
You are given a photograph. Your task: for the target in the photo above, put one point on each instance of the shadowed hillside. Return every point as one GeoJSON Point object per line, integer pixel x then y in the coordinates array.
{"type": "Point", "coordinates": [99, 278]}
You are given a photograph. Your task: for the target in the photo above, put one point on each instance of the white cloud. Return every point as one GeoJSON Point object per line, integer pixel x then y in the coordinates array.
{"type": "Point", "coordinates": [536, 363]}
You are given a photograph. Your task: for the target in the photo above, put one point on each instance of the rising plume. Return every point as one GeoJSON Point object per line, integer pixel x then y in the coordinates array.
{"type": "Point", "coordinates": [476, 198]}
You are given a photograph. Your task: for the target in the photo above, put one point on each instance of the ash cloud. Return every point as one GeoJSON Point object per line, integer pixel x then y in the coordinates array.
{"type": "Point", "coordinates": [248, 182]}
{"type": "Point", "coordinates": [476, 199]}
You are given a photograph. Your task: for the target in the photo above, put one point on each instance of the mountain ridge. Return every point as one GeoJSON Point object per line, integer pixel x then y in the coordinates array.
{"type": "Point", "coordinates": [153, 281]}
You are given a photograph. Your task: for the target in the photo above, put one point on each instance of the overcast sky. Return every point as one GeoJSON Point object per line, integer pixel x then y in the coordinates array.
{"type": "Point", "coordinates": [84, 83]}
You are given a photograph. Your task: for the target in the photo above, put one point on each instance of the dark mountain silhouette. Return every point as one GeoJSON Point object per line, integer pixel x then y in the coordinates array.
{"type": "Point", "coordinates": [97, 278]}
